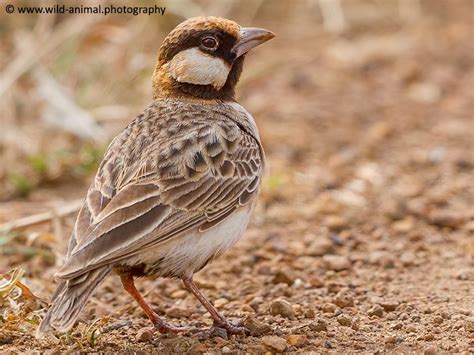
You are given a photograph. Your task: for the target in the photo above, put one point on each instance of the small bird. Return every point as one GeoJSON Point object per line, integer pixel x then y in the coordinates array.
{"type": "Point", "coordinates": [176, 187]}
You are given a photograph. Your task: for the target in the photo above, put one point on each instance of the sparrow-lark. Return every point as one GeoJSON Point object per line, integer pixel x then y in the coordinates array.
{"type": "Point", "coordinates": [177, 186]}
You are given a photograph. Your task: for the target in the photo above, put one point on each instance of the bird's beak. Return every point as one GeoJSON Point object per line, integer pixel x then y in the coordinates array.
{"type": "Point", "coordinates": [251, 37]}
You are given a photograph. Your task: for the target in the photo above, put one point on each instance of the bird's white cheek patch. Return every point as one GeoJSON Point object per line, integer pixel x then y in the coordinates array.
{"type": "Point", "coordinates": [196, 67]}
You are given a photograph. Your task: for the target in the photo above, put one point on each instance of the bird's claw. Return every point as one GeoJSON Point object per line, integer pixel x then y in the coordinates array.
{"type": "Point", "coordinates": [236, 327]}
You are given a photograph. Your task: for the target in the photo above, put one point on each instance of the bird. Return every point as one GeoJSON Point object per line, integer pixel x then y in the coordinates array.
{"type": "Point", "coordinates": [177, 186]}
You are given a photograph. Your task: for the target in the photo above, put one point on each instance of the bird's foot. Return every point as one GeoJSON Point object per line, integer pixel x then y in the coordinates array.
{"type": "Point", "coordinates": [164, 328]}
{"type": "Point", "coordinates": [236, 327]}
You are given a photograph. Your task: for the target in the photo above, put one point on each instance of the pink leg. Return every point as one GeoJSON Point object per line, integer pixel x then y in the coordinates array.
{"type": "Point", "coordinates": [160, 325]}
{"type": "Point", "coordinates": [219, 320]}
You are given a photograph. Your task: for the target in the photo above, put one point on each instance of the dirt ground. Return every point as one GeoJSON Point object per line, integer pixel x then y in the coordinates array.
{"type": "Point", "coordinates": [363, 238]}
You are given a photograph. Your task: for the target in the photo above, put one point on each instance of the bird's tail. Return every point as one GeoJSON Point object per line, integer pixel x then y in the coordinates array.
{"type": "Point", "coordinates": [68, 301]}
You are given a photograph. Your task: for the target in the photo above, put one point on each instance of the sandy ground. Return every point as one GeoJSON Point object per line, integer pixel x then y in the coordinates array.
{"type": "Point", "coordinates": [363, 237]}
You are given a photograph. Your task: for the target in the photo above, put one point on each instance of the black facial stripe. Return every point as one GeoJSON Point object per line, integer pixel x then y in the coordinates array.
{"type": "Point", "coordinates": [193, 38]}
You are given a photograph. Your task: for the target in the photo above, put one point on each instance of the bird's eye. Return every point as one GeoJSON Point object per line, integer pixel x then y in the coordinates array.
{"type": "Point", "coordinates": [209, 43]}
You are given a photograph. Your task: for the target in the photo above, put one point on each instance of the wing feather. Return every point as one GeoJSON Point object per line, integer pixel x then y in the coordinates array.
{"type": "Point", "coordinates": [196, 176]}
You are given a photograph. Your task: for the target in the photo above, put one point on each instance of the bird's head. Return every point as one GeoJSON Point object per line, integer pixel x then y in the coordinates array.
{"type": "Point", "coordinates": [203, 57]}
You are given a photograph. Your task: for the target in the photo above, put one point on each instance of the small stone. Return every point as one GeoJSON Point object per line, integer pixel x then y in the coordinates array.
{"type": "Point", "coordinates": [408, 259]}
{"type": "Point", "coordinates": [391, 339]}
{"type": "Point", "coordinates": [437, 319]}
{"type": "Point", "coordinates": [382, 258]}
{"type": "Point", "coordinates": [144, 335]}
{"type": "Point", "coordinates": [204, 284]}
{"type": "Point", "coordinates": [387, 305]}
{"type": "Point", "coordinates": [335, 223]}
{"type": "Point", "coordinates": [256, 327]}
{"type": "Point", "coordinates": [392, 316]}
{"type": "Point", "coordinates": [336, 262]}
{"type": "Point", "coordinates": [179, 294]}
{"type": "Point", "coordinates": [465, 311]}
{"type": "Point", "coordinates": [309, 313]}
{"type": "Point", "coordinates": [178, 312]}
{"type": "Point", "coordinates": [274, 342]}
{"type": "Point", "coordinates": [296, 340]}
{"type": "Point", "coordinates": [198, 348]}
{"type": "Point", "coordinates": [469, 324]}
{"type": "Point", "coordinates": [344, 320]}
{"type": "Point", "coordinates": [443, 218]}
{"type": "Point", "coordinates": [404, 225]}
{"type": "Point", "coordinates": [316, 282]}
{"type": "Point", "coordinates": [430, 350]}
{"type": "Point", "coordinates": [318, 325]}
{"type": "Point", "coordinates": [428, 337]}
{"type": "Point", "coordinates": [395, 209]}
{"type": "Point", "coordinates": [297, 308]}
{"type": "Point", "coordinates": [343, 300]}
{"type": "Point", "coordinates": [221, 302]}
{"type": "Point", "coordinates": [298, 283]}
{"type": "Point", "coordinates": [247, 308]}
{"type": "Point", "coordinates": [320, 247]}
{"type": "Point", "coordinates": [329, 308]}
{"type": "Point", "coordinates": [464, 275]}
{"type": "Point", "coordinates": [283, 308]}
{"type": "Point", "coordinates": [286, 276]}
{"type": "Point", "coordinates": [376, 310]}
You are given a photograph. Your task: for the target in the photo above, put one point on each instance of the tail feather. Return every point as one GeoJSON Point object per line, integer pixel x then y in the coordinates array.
{"type": "Point", "coordinates": [68, 301]}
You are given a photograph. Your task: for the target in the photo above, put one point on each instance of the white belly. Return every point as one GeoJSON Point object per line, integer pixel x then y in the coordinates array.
{"type": "Point", "coordinates": [189, 253]}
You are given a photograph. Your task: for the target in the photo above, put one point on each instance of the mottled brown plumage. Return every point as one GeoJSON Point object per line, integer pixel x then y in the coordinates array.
{"type": "Point", "coordinates": [176, 187]}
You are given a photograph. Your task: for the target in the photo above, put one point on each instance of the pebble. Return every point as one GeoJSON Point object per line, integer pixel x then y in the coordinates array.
{"type": "Point", "coordinates": [376, 310]}
{"type": "Point", "coordinates": [204, 284]}
{"type": "Point", "coordinates": [329, 308]}
{"type": "Point", "coordinates": [256, 327]}
{"type": "Point", "coordinates": [382, 258]}
{"type": "Point", "coordinates": [296, 340]}
{"type": "Point", "coordinates": [392, 316]}
{"type": "Point", "coordinates": [286, 276]}
{"type": "Point", "coordinates": [316, 282]}
{"type": "Point", "coordinates": [464, 275]}
{"type": "Point", "coordinates": [144, 335]}
{"type": "Point", "coordinates": [221, 302]}
{"type": "Point", "coordinates": [404, 225]}
{"type": "Point", "coordinates": [198, 348]}
{"type": "Point", "coordinates": [408, 259]}
{"type": "Point", "coordinates": [443, 218]}
{"type": "Point", "coordinates": [343, 300]}
{"type": "Point", "coordinates": [320, 247]}
{"type": "Point", "coordinates": [178, 312]}
{"type": "Point", "coordinates": [309, 313]}
{"type": "Point", "coordinates": [388, 305]}
{"type": "Point", "coordinates": [336, 262]}
{"type": "Point", "coordinates": [274, 343]}
{"type": "Point", "coordinates": [179, 294]}
{"type": "Point", "coordinates": [430, 350]}
{"type": "Point", "coordinates": [283, 308]}
{"type": "Point", "coordinates": [344, 320]}
{"type": "Point", "coordinates": [335, 223]}
{"type": "Point", "coordinates": [319, 325]}
{"type": "Point", "coordinates": [469, 324]}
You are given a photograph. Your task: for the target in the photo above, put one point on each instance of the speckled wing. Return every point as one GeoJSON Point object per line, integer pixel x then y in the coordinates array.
{"type": "Point", "coordinates": [162, 177]}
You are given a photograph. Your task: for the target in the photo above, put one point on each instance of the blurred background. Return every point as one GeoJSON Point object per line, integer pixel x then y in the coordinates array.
{"type": "Point", "coordinates": [365, 108]}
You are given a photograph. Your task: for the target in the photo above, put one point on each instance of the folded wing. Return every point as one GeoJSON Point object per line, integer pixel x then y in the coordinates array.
{"type": "Point", "coordinates": [191, 178]}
